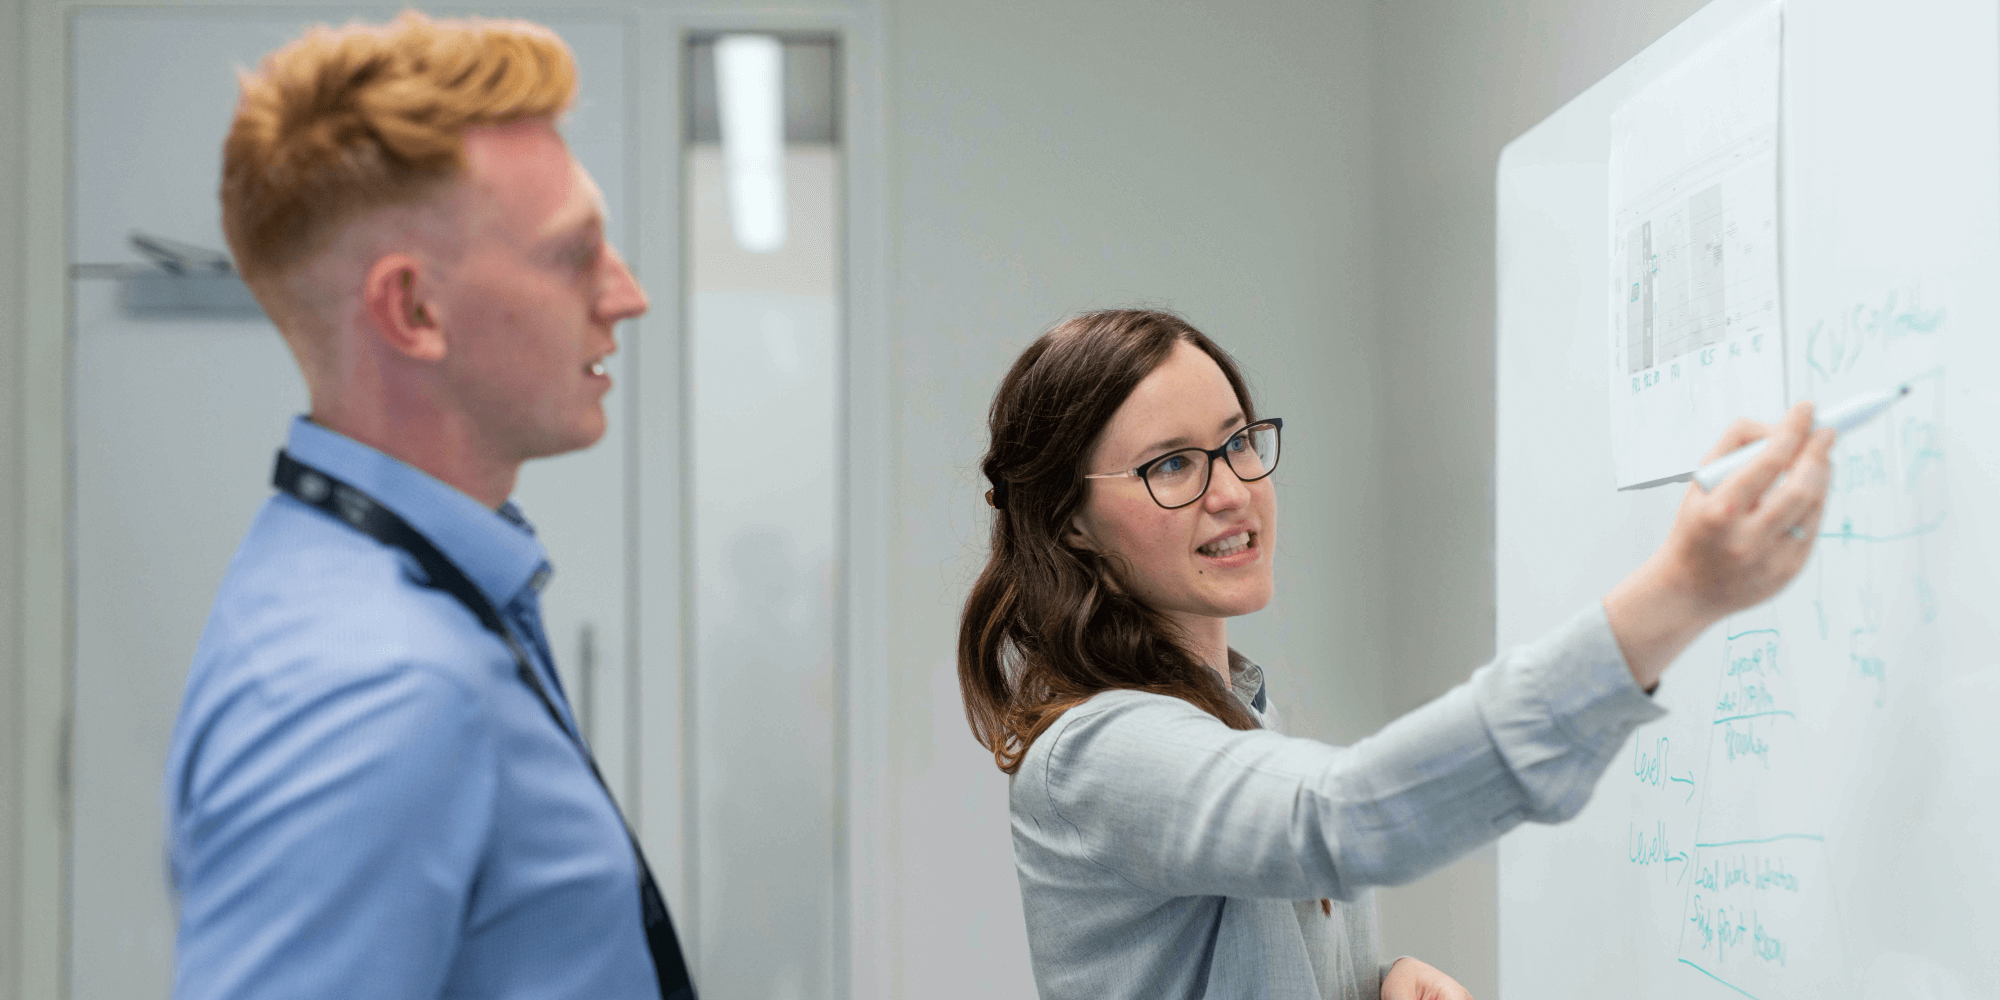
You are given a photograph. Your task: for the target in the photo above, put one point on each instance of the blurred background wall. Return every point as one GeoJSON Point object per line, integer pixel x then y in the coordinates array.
{"type": "Point", "coordinates": [1309, 182]}
{"type": "Point", "coordinates": [1052, 157]}
{"type": "Point", "coordinates": [12, 743]}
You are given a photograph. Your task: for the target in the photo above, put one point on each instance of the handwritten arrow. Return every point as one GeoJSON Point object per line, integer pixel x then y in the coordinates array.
{"type": "Point", "coordinates": [1683, 859]}
{"type": "Point", "coordinates": [1688, 781]}
{"type": "Point", "coordinates": [1812, 342]}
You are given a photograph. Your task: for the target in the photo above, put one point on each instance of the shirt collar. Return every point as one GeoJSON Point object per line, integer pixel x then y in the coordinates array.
{"type": "Point", "coordinates": [1246, 681]}
{"type": "Point", "coordinates": [497, 550]}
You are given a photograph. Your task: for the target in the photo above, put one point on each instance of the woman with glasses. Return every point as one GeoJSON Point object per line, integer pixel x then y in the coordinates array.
{"type": "Point", "coordinates": [1170, 842]}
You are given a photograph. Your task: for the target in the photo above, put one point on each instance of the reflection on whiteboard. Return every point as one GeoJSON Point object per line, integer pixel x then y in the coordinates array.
{"type": "Point", "coordinates": [1694, 257]}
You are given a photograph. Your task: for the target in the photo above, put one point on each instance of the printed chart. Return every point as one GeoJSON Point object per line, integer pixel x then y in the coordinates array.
{"type": "Point", "coordinates": [1695, 314]}
{"type": "Point", "coordinates": [1701, 264]}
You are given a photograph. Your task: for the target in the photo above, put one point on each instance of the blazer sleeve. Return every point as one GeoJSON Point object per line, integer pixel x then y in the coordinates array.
{"type": "Point", "coordinates": [1178, 804]}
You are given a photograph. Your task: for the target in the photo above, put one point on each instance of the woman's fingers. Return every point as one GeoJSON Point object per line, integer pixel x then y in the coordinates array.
{"type": "Point", "coordinates": [1398, 984]}
{"type": "Point", "coordinates": [1794, 546]}
{"type": "Point", "coordinates": [1728, 550]}
{"type": "Point", "coordinates": [1792, 504]}
{"type": "Point", "coordinates": [1816, 477]}
{"type": "Point", "coordinates": [1738, 434]}
{"type": "Point", "coordinates": [1815, 515]}
{"type": "Point", "coordinates": [1756, 550]}
{"type": "Point", "coordinates": [1808, 528]}
{"type": "Point", "coordinates": [1743, 490]}
{"type": "Point", "coordinates": [1410, 979]}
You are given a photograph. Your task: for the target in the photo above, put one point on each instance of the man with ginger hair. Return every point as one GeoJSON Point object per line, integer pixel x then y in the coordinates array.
{"type": "Point", "coordinates": [376, 786]}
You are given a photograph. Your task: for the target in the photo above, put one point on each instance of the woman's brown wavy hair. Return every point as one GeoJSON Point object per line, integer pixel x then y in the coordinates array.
{"type": "Point", "coordinates": [1046, 625]}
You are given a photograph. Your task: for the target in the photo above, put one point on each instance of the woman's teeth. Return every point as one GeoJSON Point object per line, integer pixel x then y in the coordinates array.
{"type": "Point", "coordinates": [1228, 546]}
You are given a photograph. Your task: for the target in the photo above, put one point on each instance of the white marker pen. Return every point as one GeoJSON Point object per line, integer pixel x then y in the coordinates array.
{"type": "Point", "coordinates": [1843, 418]}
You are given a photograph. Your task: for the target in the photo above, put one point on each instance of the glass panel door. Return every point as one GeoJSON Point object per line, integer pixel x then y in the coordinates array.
{"type": "Point", "coordinates": [763, 163]}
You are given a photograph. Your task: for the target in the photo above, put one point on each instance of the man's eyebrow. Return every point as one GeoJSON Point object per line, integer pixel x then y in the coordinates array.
{"type": "Point", "coordinates": [1184, 442]}
{"type": "Point", "coordinates": [589, 216]}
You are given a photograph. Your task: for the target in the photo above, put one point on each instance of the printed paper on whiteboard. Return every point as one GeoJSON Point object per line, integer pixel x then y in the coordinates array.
{"type": "Point", "coordinates": [1695, 318]}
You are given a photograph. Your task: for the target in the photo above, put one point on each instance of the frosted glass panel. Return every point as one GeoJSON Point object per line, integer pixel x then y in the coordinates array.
{"type": "Point", "coordinates": [766, 486]}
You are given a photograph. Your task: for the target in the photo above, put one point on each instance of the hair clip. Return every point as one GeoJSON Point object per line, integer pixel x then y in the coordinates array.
{"type": "Point", "coordinates": [996, 497]}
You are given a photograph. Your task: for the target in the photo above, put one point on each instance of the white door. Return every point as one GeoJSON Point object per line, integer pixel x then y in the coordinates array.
{"type": "Point", "coordinates": [176, 413]}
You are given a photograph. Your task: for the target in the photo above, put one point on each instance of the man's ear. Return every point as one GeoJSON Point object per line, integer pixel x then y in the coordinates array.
{"type": "Point", "coordinates": [395, 293]}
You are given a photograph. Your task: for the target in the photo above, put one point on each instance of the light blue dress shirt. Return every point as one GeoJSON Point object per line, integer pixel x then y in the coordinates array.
{"type": "Point", "coordinates": [363, 797]}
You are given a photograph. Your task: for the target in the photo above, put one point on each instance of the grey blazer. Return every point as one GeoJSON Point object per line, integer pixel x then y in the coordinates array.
{"type": "Point", "coordinates": [1164, 855]}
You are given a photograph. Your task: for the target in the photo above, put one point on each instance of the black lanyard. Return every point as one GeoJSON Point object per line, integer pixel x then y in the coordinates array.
{"type": "Point", "coordinates": [359, 511]}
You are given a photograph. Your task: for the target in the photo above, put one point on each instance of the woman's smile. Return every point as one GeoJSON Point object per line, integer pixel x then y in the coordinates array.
{"type": "Point", "coordinates": [1236, 548]}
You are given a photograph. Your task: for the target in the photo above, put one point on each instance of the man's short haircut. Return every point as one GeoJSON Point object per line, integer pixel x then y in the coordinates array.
{"type": "Point", "coordinates": [347, 120]}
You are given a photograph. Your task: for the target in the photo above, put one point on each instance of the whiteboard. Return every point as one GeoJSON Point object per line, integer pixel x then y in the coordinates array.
{"type": "Point", "coordinates": [1814, 817]}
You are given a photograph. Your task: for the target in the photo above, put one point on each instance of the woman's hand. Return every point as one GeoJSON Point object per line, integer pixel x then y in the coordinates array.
{"type": "Point", "coordinates": [1410, 979]}
{"type": "Point", "coordinates": [1730, 549]}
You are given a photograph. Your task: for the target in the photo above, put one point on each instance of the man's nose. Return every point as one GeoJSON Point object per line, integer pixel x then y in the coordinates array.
{"type": "Point", "coordinates": [622, 297]}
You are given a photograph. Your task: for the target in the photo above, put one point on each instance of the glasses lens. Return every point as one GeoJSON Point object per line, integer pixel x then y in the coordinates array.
{"type": "Point", "coordinates": [1253, 452]}
{"type": "Point", "coordinates": [1178, 477]}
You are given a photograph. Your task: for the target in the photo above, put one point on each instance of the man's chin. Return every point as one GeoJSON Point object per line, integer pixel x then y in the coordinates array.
{"type": "Point", "coordinates": [574, 439]}
{"type": "Point", "coordinates": [585, 439]}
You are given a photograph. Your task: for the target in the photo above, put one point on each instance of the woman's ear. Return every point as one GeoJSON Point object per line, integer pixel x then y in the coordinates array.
{"type": "Point", "coordinates": [1106, 564]}
{"type": "Point", "coordinates": [1076, 536]}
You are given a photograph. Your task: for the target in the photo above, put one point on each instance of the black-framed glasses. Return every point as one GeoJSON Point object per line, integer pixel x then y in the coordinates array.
{"type": "Point", "coordinates": [1179, 478]}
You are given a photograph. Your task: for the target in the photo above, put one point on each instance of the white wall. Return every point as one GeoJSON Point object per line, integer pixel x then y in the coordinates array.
{"type": "Point", "coordinates": [1049, 157]}
{"type": "Point", "coordinates": [1457, 81]}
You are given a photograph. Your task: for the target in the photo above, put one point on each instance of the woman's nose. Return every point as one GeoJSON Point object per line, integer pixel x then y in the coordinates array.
{"type": "Point", "coordinates": [1226, 489]}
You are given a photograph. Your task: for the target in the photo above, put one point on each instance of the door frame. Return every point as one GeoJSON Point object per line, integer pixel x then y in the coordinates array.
{"type": "Point", "coordinates": [862, 815]}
